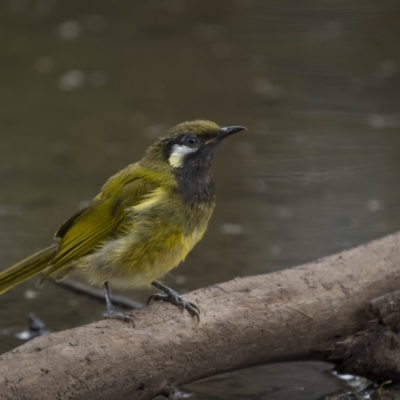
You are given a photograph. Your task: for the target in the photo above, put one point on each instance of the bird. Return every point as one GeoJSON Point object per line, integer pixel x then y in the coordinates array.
{"type": "Point", "coordinates": [142, 224]}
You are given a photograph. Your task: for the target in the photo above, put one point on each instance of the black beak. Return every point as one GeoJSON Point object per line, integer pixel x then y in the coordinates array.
{"type": "Point", "coordinates": [229, 130]}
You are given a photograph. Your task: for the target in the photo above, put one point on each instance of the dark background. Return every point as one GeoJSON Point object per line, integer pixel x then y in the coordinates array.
{"type": "Point", "coordinates": [86, 86]}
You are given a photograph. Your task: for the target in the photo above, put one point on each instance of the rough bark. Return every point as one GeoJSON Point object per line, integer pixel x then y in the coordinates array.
{"type": "Point", "coordinates": [321, 310]}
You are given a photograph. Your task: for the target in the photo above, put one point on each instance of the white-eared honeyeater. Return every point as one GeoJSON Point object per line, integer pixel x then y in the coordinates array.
{"type": "Point", "coordinates": [144, 221]}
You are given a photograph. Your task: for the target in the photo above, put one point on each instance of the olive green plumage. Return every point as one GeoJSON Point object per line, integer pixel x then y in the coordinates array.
{"type": "Point", "coordinates": [144, 221]}
{"type": "Point", "coordinates": [26, 268]}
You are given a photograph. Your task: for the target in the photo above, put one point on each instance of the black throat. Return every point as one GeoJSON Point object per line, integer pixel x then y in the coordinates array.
{"type": "Point", "coordinates": [195, 183]}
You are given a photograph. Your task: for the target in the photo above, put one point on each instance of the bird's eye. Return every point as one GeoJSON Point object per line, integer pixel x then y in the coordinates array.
{"type": "Point", "coordinates": [191, 141]}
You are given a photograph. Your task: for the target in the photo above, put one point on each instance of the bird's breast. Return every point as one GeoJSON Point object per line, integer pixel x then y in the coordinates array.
{"type": "Point", "coordinates": [161, 231]}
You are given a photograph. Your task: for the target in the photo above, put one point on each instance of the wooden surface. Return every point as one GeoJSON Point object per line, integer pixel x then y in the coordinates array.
{"type": "Point", "coordinates": [296, 314]}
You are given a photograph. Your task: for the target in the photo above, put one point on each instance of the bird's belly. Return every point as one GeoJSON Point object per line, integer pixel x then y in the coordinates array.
{"type": "Point", "coordinates": [136, 260]}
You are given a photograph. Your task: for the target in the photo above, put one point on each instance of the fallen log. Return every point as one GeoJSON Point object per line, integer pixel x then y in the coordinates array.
{"type": "Point", "coordinates": [330, 309]}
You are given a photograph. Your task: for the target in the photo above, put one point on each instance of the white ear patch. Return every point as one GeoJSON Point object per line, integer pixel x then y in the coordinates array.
{"type": "Point", "coordinates": [178, 153]}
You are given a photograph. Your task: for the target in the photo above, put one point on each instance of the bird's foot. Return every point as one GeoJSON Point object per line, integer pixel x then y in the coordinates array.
{"type": "Point", "coordinates": [178, 301]}
{"type": "Point", "coordinates": [124, 317]}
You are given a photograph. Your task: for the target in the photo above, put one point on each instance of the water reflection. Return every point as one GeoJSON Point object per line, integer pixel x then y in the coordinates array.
{"type": "Point", "coordinates": [86, 87]}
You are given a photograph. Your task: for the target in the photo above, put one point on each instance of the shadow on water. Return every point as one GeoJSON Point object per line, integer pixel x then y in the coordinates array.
{"type": "Point", "coordinates": [86, 86]}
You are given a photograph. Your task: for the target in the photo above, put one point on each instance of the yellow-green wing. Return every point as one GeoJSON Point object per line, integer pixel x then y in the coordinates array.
{"type": "Point", "coordinates": [101, 219]}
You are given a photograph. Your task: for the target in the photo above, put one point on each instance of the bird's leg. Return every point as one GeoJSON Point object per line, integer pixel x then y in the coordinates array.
{"type": "Point", "coordinates": [111, 313]}
{"type": "Point", "coordinates": [110, 307]}
{"type": "Point", "coordinates": [172, 297]}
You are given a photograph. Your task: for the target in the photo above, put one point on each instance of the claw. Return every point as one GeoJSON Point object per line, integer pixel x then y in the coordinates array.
{"type": "Point", "coordinates": [178, 301]}
{"type": "Point", "coordinates": [124, 317]}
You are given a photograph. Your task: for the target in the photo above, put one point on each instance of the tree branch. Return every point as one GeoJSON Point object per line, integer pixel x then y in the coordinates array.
{"type": "Point", "coordinates": [304, 313]}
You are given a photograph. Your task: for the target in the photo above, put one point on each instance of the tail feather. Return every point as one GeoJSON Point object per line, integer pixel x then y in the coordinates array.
{"type": "Point", "coordinates": [26, 268]}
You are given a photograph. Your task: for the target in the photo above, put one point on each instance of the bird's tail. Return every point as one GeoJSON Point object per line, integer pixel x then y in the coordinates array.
{"type": "Point", "coordinates": [27, 268]}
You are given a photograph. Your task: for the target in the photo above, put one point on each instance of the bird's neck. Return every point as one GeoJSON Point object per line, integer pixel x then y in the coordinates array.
{"type": "Point", "coordinates": [195, 185]}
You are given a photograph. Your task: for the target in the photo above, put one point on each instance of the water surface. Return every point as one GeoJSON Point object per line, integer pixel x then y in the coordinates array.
{"type": "Point", "coordinates": [85, 87]}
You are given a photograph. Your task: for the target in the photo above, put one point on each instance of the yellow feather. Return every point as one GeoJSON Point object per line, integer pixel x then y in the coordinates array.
{"type": "Point", "coordinates": [136, 229]}
{"type": "Point", "coordinates": [26, 268]}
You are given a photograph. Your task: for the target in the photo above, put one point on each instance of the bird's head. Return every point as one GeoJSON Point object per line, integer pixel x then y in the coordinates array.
{"type": "Point", "coordinates": [190, 145]}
